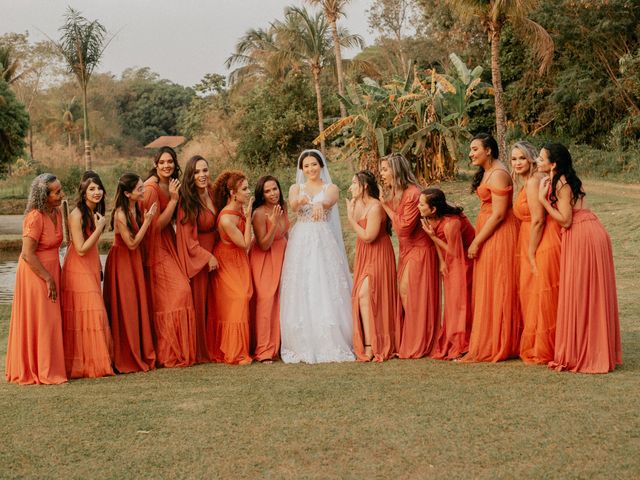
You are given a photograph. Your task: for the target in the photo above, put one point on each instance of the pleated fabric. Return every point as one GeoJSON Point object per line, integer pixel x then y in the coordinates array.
{"type": "Point", "coordinates": [453, 341]}
{"type": "Point", "coordinates": [376, 262]}
{"type": "Point", "coordinates": [588, 326]}
{"type": "Point", "coordinates": [497, 322]}
{"type": "Point", "coordinates": [126, 300]}
{"type": "Point", "coordinates": [266, 268]}
{"type": "Point", "coordinates": [195, 248]}
{"type": "Point", "coordinates": [173, 315]}
{"type": "Point", "coordinates": [233, 287]}
{"type": "Point", "coordinates": [526, 280]}
{"type": "Point", "coordinates": [35, 353]}
{"type": "Point", "coordinates": [419, 260]}
{"type": "Point", "coordinates": [88, 347]}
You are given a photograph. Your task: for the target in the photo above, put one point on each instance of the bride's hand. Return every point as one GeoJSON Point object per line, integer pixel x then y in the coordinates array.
{"type": "Point", "coordinates": [318, 212]}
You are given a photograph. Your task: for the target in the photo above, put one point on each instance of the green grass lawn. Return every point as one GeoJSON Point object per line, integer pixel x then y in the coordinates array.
{"type": "Point", "coordinates": [400, 419]}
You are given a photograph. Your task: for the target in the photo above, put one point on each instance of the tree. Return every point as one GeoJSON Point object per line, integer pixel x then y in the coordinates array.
{"type": "Point", "coordinates": [493, 15]}
{"type": "Point", "coordinates": [82, 44]}
{"type": "Point", "coordinates": [334, 9]}
{"type": "Point", "coordinates": [9, 64]}
{"type": "Point", "coordinates": [259, 53]}
{"type": "Point", "coordinates": [14, 122]}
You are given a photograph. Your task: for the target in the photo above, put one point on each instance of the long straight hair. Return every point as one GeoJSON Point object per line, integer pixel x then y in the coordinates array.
{"type": "Point", "coordinates": [126, 184]}
{"type": "Point", "coordinates": [403, 175]}
{"type": "Point", "coordinates": [189, 199]}
{"type": "Point", "coordinates": [259, 192]}
{"type": "Point", "coordinates": [437, 199]}
{"type": "Point", "coordinates": [88, 223]}
{"type": "Point", "coordinates": [367, 181]}
{"type": "Point", "coordinates": [487, 142]}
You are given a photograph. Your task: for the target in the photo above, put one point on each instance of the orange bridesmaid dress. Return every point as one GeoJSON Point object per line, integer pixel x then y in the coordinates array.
{"type": "Point", "coordinates": [377, 262]}
{"type": "Point", "coordinates": [538, 335]}
{"type": "Point", "coordinates": [125, 298]}
{"type": "Point", "coordinates": [173, 315]}
{"type": "Point", "coordinates": [453, 341]}
{"type": "Point", "coordinates": [88, 346]}
{"type": "Point", "coordinates": [35, 351]}
{"type": "Point", "coordinates": [588, 326]}
{"type": "Point", "coordinates": [497, 322]}
{"type": "Point", "coordinates": [526, 280]}
{"type": "Point", "coordinates": [418, 259]}
{"type": "Point", "coordinates": [233, 287]}
{"type": "Point", "coordinates": [266, 267]}
{"type": "Point", "coordinates": [195, 249]}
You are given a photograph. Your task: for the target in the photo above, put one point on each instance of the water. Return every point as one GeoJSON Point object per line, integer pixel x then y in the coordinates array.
{"type": "Point", "coordinates": [8, 266]}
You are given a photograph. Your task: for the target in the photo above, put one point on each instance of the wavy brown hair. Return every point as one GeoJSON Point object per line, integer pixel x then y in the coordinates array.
{"type": "Point", "coordinates": [189, 199]}
{"type": "Point", "coordinates": [227, 181]}
{"type": "Point", "coordinates": [88, 223]}
{"type": "Point", "coordinates": [436, 199]}
{"type": "Point", "coordinates": [126, 184]}
{"type": "Point", "coordinates": [560, 156]}
{"type": "Point", "coordinates": [176, 171]}
{"type": "Point", "coordinates": [367, 181]}
{"type": "Point", "coordinates": [487, 142]}
{"type": "Point", "coordinates": [259, 192]}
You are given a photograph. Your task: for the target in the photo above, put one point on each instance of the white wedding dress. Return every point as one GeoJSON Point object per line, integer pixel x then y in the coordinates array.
{"type": "Point", "coordinates": [315, 295]}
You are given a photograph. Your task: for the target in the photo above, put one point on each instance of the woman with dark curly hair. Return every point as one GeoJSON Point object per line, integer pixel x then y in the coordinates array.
{"type": "Point", "coordinates": [587, 326]}
{"type": "Point", "coordinates": [232, 279]}
{"type": "Point", "coordinates": [495, 333]}
{"type": "Point", "coordinates": [35, 352]}
{"type": "Point", "coordinates": [173, 315]}
{"type": "Point", "coordinates": [196, 235]}
{"type": "Point", "coordinates": [87, 337]}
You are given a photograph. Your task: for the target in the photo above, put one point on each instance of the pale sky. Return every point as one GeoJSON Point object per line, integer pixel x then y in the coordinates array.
{"type": "Point", "coordinates": [179, 39]}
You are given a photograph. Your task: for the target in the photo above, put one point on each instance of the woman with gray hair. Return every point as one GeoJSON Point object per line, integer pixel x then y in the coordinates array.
{"type": "Point", "coordinates": [418, 273]}
{"type": "Point", "coordinates": [35, 351]}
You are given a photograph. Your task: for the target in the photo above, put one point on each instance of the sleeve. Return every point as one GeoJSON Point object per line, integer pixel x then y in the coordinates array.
{"type": "Point", "coordinates": [407, 215]}
{"type": "Point", "coordinates": [32, 225]}
{"type": "Point", "coordinates": [193, 258]}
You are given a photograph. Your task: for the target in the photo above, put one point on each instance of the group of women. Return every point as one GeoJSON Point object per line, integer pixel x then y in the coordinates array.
{"type": "Point", "coordinates": [201, 271]}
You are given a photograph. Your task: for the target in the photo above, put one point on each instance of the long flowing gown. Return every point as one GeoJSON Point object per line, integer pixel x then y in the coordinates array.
{"type": "Point", "coordinates": [315, 305]}
{"type": "Point", "coordinates": [588, 326]}
{"type": "Point", "coordinates": [376, 262]}
{"type": "Point", "coordinates": [195, 248]}
{"type": "Point", "coordinates": [458, 233]}
{"type": "Point", "coordinates": [266, 268]}
{"type": "Point", "coordinates": [125, 298]}
{"type": "Point", "coordinates": [35, 352]}
{"type": "Point", "coordinates": [173, 315]}
{"type": "Point", "coordinates": [495, 333]}
{"type": "Point", "coordinates": [526, 280]}
{"type": "Point", "coordinates": [233, 287]}
{"type": "Point", "coordinates": [88, 346]}
{"type": "Point", "coordinates": [539, 332]}
{"type": "Point", "coordinates": [419, 260]}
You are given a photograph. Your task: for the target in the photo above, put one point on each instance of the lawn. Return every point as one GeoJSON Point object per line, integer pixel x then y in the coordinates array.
{"type": "Point", "coordinates": [402, 419]}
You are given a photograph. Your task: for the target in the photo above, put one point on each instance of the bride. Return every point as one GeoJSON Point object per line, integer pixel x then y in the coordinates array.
{"type": "Point", "coordinates": [315, 304]}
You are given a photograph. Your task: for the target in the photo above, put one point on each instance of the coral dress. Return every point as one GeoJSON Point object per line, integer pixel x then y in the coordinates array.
{"type": "Point", "coordinates": [419, 260]}
{"type": "Point", "coordinates": [266, 268]}
{"type": "Point", "coordinates": [377, 262]}
{"type": "Point", "coordinates": [125, 298]}
{"type": "Point", "coordinates": [233, 287]}
{"type": "Point", "coordinates": [195, 249]}
{"type": "Point", "coordinates": [588, 327]}
{"type": "Point", "coordinates": [538, 334]}
{"type": "Point", "coordinates": [173, 315]}
{"type": "Point", "coordinates": [87, 339]}
{"type": "Point", "coordinates": [35, 351]}
{"type": "Point", "coordinates": [525, 277]}
{"type": "Point", "coordinates": [458, 233]}
{"type": "Point", "coordinates": [495, 333]}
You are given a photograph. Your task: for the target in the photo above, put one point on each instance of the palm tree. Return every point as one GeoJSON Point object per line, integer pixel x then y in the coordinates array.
{"type": "Point", "coordinates": [82, 43]}
{"type": "Point", "coordinates": [9, 64]}
{"type": "Point", "coordinates": [334, 9]}
{"type": "Point", "coordinates": [493, 16]}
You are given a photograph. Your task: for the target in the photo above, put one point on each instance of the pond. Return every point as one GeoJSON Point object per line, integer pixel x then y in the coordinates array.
{"type": "Point", "coordinates": [8, 266]}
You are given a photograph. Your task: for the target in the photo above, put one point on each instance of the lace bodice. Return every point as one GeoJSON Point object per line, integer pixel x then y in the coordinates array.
{"type": "Point", "coordinates": [305, 212]}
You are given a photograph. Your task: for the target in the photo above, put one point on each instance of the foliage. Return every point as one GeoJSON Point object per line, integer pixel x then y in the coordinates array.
{"type": "Point", "coordinates": [274, 120]}
{"type": "Point", "coordinates": [424, 117]}
{"type": "Point", "coordinates": [149, 106]}
{"type": "Point", "coordinates": [212, 96]}
{"type": "Point", "coordinates": [14, 122]}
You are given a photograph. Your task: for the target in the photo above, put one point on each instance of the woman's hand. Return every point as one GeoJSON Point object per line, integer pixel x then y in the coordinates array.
{"type": "Point", "coordinates": [426, 226]}
{"type": "Point", "coordinates": [52, 293]}
{"type": "Point", "coordinates": [149, 214]}
{"type": "Point", "coordinates": [382, 198]}
{"type": "Point", "coordinates": [544, 188]}
{"type": "Point", "coordinates": [275, 214]}
{"type": "Point", "coordinates": [174, 188]}
{"type": "Point", "coordinates": [443, 269]}
{"type": "Point", "coordinates": [474, 248]}
{"type": "Point", "coordinates": [532, 262]}
{"type": "Point", "coordinates": [248, 210]}
{"type": "Point", "coordinates": [213, 263]}
{"type": "Point", "coordinates": [350, 207]}
{"type": "Point", "coordinates": [318, 212]}
{"type": "Point", "coordinates": [99, 220]}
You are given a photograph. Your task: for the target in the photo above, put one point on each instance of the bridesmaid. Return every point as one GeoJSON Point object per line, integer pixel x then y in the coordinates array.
{"type": "Point", "coordinates": [232, 280]}
{"type": "Point", "coordinates": [588, 327]}
{"type": "Point", "coordinates": [87, 339]}
{"type": "Point", "coordinates": [125, 292]}
{"type": "Point", "coordinates": [173, 315]}
{"type": "Point", "coordinates": [452, 233]}
{"type": "Point", "coordinates": [495, 333]}
{"type": "Point", "coordinates": [376, 308]}
{"type": "Point", "coordinates": [538, 258]}
{"type": "Point", "coordinates": [196, 235]}
{"type": "Point", "coordinates": [270, 225]}
{"type": "Point", "coordinates": [418, 281]}
{"type": "Point", "coordinates": [35, 352]}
